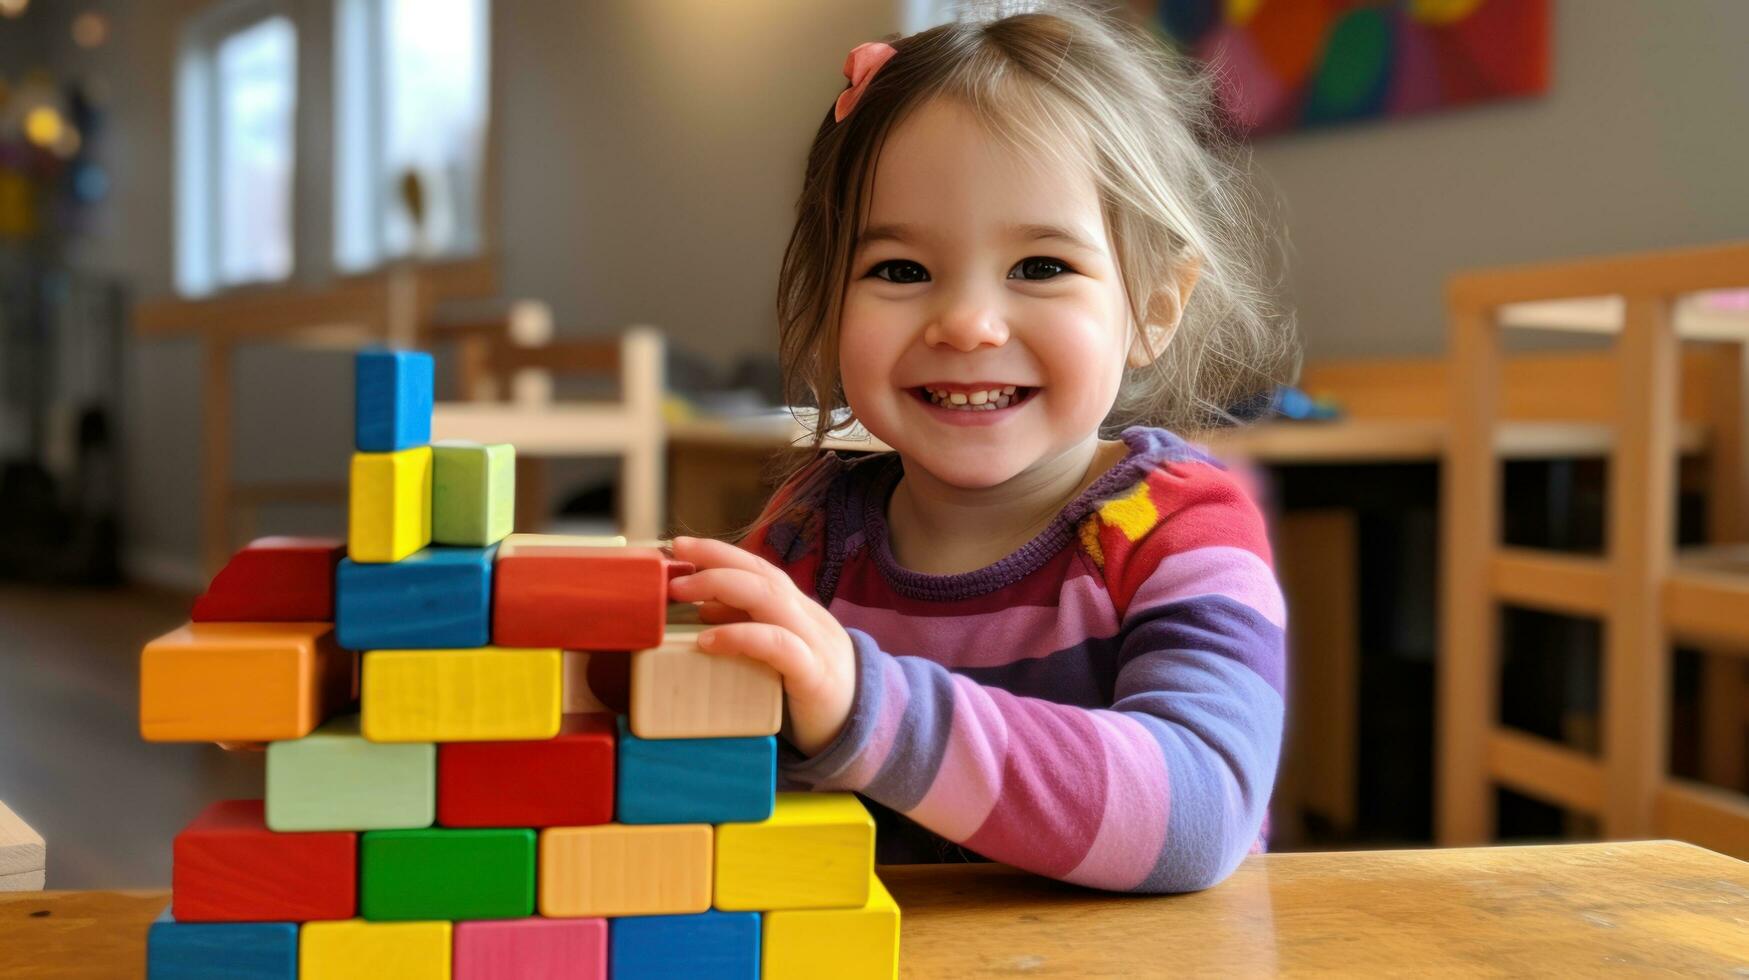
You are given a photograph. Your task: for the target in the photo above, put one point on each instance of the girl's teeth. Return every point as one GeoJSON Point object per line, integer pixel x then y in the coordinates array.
{"type": "Point", "coordinates": [975, 401]}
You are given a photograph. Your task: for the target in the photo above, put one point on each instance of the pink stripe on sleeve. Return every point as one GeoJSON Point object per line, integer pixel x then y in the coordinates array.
{"type": "Point", "coordinates": [970, 775]}
{"type": "Point", "coordinates": [1136, 810]}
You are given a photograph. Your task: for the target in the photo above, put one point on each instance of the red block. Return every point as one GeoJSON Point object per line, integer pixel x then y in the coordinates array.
{"type": "Point", "coordinates": [274, 580]}
{"type": "Point", "coordinates": [579, 598]}
{"type": "Point", "coordinates": [228, 867]}
{"type": "Point", "coordinates": [560, 782]}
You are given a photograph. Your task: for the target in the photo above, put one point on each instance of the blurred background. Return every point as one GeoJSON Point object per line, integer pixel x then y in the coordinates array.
{"type": "Point", "coordinates": [580, 206]}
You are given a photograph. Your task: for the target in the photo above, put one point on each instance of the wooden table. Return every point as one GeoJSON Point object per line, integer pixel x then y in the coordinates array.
{"type": "Point", "coordinates": [1575, 909]}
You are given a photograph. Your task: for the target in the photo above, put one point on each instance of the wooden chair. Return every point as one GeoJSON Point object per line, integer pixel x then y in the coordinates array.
{"type": "Point", "coordinates": [1642, 591]}
{"type": "Point", "coordinates": [506, 370]}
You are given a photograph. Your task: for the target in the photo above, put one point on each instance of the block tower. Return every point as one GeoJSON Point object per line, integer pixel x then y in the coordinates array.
{"type": "Point", "coordinates": [489, 754]}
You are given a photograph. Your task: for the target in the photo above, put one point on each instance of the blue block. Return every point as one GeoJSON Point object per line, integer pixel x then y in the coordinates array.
{"type": "Point", "coordinates": [392, 407]}
{"type": "Point", "coordinates": [707, 946]}
{"type": "Point", "coordinates": [211, 950]}
{"type": "Point", "coordinates": [694, 780]}
{"type": "Point", "coordinates": [434, 599]}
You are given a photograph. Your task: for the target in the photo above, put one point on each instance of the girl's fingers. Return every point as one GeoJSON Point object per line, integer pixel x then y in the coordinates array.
{"type": "Point", "coordinates": [775, 646]}
{"type": "Point", "coordinates": [760, 598]}
{"type": "Point", "coordinates": [708, 553]}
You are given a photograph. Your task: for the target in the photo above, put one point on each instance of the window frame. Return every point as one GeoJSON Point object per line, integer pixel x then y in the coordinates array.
{"type": "Point", "coordinates": [199, 127]}
{"type": "Point", "coordinates": [362, 196]}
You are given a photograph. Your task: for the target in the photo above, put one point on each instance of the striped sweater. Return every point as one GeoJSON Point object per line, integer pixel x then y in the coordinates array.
{"type": "Point", "coordinates": [1104, 706]}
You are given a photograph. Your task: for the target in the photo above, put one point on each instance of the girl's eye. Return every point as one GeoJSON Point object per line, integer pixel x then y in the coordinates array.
{"type": "Point", "coordinates": [901, 271]}
{"type": "Point", "coordinates": [1038, 267]}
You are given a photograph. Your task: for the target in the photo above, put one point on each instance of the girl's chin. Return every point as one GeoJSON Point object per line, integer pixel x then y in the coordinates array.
{"type": "Point", "coordinates": [965, 471]}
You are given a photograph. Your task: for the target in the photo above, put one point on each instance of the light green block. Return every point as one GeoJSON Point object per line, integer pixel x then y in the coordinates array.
{"type": "Point", "coordinates": [473, 493]}
{"type": "Point", "coordinates": [332, 779]}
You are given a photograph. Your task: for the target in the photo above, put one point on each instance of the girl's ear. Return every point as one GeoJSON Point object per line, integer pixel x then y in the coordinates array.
{"type": "Point", "coordinates": [1165, 310]}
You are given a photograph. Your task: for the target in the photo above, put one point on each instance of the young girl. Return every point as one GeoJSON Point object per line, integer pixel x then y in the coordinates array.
{"type": "Point", "coordinates": [1059, 651]}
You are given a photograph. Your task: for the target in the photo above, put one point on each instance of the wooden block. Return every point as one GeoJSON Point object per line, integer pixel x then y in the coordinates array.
{"type": "Point", "coordinates": [359, 950]}
{"type": "Point", "coordinates": [579, 697]}
{"type": "Point", "coordinates": [719, 945]}
{"type": "Point", "coordinates": [847, 944]}
{"type": "Point", "coordinates": [435, 599]}
{"type": "Point", "coordinates": [486, 694]}
{"type": "Point", "coordinates": [519, 949]}
{"type": "Point", "coordinates": [392, 407]}
{"type": "Point", "coordinates": [525, 539]}
{"type": "Point", "coordinates": [242, 682]}
{"type": "Point", "coordinates": [221, 950]}
{"type": "Point", "coordinates": [579, 598]}
{"type": "Point", "coordinates": [679, 691]}
{"type": "Point", "coordinates": [473, 492]}
{"type": "Point", "coordinates": [695, 780]}
{"type": "Point", "coordinates": [333, 779]}
{"type": "Point", "coordinates": [274, 580]}
{"type": "Point", "coordinates": [565, 781]}
{"type": "Point", "coordinates": [615, 870]}
{"type": "Point", "coordinates": [390, 516]}
{"type": "Point", "coordinates": [228, 867]}
{"type": "Point", "coordinates": [815, 852]}
{"type": "Point", "coordinates": [598, 681]}
{"type": "Point", "coordinates": [446, 874]}
{"type": "Point", "coordinates": [23, 856]}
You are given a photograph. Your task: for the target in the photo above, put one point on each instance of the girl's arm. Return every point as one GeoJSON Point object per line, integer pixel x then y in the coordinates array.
{"type": "Point", "coordinates": [1163, 791]}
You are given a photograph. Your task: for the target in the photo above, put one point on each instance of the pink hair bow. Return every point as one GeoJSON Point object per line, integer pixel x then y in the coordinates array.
{"type": "Point", "coordinates": [860, 66]}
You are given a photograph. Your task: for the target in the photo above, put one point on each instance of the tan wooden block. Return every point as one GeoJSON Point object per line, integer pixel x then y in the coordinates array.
{"type": "Point", "coordinates": [680, 691]}
{"type": "Point", "coordinates": [23, 856]}
{"type": "Point", "coordinates": [616, 869]}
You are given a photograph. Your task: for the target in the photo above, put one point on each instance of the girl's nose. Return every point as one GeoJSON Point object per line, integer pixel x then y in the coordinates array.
{"type": "Point", "coordinates": [966, 327]}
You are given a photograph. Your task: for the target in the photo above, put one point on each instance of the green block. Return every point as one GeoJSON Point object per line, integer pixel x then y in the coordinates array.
{"type": "Point", "coordinates": [446, 874]}
{"type": "Point", "coordinates": [332, 779]}
{"type": "Point", "coordinates": [473, 493]}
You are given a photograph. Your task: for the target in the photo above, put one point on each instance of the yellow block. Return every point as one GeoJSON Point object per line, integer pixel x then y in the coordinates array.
{"type": "Point", "coordinates": [679, 691]}
{"type": "Point", "coordinates": [241, 682]}
{"type": "Point", "coordinates": [846, 944]}
{"type": "Point", "coordinates": [619, 869]}
{"type": "Point", "coordinates": [391, 505]}
{"type": "Point", "coordinates": [483, 694]}
{"type": "Point", "coordinates": [815, 852]}
{"type": "Point", "coordinates": [374, 950]}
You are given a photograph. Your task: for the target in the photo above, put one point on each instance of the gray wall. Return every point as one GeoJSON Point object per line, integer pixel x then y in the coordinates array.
{"type": "Point", "coordinates": [650, 153]}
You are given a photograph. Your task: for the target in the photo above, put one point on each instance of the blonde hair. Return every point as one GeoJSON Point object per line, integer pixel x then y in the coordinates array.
{"type": "Point", "coordinates": [1172, 184]}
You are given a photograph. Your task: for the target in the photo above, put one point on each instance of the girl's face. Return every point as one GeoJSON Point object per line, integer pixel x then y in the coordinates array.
{"type": "Point", "coordinates": [985, 328]}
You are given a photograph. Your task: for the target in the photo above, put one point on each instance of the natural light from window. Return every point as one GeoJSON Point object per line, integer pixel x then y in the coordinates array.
{"type": "Point", "coordinates": [256, 88]}
{"type": "Point", "coordinates": [412, 86]}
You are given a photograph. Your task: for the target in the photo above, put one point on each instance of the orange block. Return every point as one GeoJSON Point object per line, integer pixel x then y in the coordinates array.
{"type": "Point", "coordinates": [614, 870]}
{"type": "Point", "coordinates": [242, 682]}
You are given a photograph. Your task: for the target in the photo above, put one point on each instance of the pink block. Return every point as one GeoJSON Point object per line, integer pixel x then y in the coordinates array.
{"type": "Point", "coordinates": [531, 949]}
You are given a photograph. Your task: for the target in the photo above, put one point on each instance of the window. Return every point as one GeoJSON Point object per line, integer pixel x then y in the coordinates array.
{"type": "Point", "coordinates": [411, 83]}
{"type": "Point", "coordinates": [237, 102]}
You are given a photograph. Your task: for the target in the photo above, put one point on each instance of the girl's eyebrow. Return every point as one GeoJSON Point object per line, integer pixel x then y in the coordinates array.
{"type": "Point", "coordinates": [906, 234]}
{"type": "Point", "coordinates": [903, 234]}
{"type": "Point", "coordinates": [1039, 233]}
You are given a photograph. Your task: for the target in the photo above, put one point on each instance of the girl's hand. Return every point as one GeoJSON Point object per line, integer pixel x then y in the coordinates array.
{"type": "Point", "coordinates": [767, 618]}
